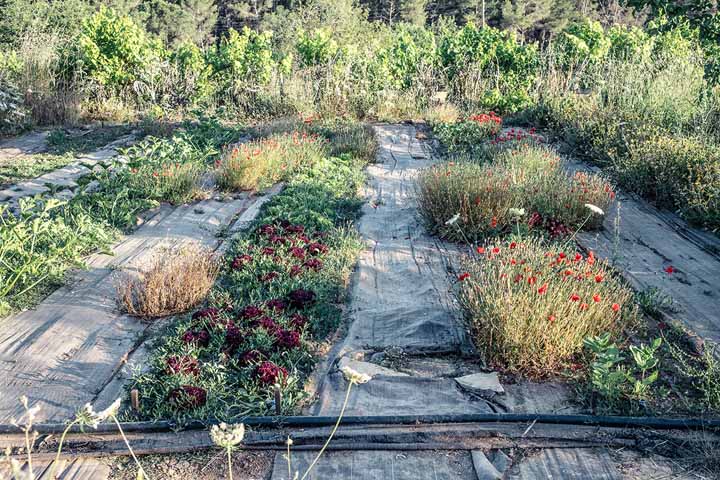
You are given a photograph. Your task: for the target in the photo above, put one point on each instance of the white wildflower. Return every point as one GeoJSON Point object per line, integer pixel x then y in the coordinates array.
{"type": "Point", "coordinates": [227, 436]}
{"type": "Point", "coordinates": [517, 212]}
{"type": "Point", "coordinates": [594, 208]}
{"type": "Point", "coordinates": [88, 416]}
{"type": "Point", "coordinates": [354, 376]}
{"type": "Point", "coordinates": [453, 220]}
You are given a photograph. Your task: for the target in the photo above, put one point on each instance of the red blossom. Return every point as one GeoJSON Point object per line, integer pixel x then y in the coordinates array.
{"type": "Point", "coordinates": [182, 364]}
{"type": "Point", "coordinates": [240, 261]}
{"type": "Point", "coordinates": [301, 298]}
{"type": "Point", "coordinates": [543, 289]}
{"type": "Point", "coordinates": [288, 339]}
{"type": "Point", "coordinates": [210, 313]}
{"type": "Point", "coordinates": [250, 356]}
{"type": "Point", "coordinates": [596, 298]}
{"type": "Point", "coordinates": [295, 270]}
{"type": "Point", "coordinates": [313, 264]}
{"type": "Point", "coordinates": [266, 230]}
{"type": "Point", "coordinates": [277, 304]}
{"type": "Point", "coordinates": [268, 251]}
{"type": "Point", "coordinates": [615, 307]}
{"type": "Point", "coordinates": [532, 280]}
{"type": "Point", "coordinates": [298, 253]}
{"type": "Point", "coordinates": [187, 396]}
{"type": "Point", "coordinates": [513, 245]}
{"type": "Point", "coordinates": [583, 306]}
{"type": "Point", "coordinates": [196, 337]}
{"type": "Point", "coordinates": [599, 278]}
{"type": "Point", "coordinates": [268, 373]}
{"type": "Point", "coordinates": [269, 277]}
{"type": "Point", "coordinates": [251, 311]}
{"type": "Point", "coordinates": [575, 297]}
{"type": "Point", "coordinates": [463, 276]}
{"type": "Point", "coordinates": [317, 248]}
{"type": "Point", "coordinates": [669, 269]}
{"type": "Point", "coordinates": [480, 250]}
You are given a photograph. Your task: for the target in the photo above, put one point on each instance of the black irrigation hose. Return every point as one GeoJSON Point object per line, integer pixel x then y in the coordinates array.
{"type": "Point", "coordinates": [658, 423]}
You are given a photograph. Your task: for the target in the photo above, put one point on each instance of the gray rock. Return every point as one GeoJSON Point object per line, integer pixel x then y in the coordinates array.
{"type": "Point", "coordinates": [369, 368]}
{"type": "Point", "coordinates": [65, 195]}
{"type": "Point", "coordinates": [92, 187]}
{"type": "Point", "coordinates": [483, 384]}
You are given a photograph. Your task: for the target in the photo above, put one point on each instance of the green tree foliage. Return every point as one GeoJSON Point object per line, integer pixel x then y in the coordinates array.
{"type": "Point", "coordinates": [242, 59]}
{"type": "Point", "coordinates": [18, 17]}
{"type": "Point", "coordinates": [113, 50]}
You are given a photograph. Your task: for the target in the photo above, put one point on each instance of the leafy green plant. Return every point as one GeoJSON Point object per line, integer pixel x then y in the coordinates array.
{"type": "Point", "coordinates": [39, 245]}
{"type": "Point", "coordinates": [470, 134]}
{"type": "Point", "coordinates": [618, 383]}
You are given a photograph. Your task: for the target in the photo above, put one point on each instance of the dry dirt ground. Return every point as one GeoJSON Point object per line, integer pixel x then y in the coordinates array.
{"type": "Point", "coordinates": [205, 465]}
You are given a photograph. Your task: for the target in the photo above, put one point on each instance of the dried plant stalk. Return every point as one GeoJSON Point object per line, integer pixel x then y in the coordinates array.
{"type": "Point", "coordinates": [176, 281]}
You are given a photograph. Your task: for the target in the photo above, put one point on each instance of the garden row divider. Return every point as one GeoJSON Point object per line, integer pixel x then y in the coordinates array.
{"type": "Point", "coordinates": [381, 433]}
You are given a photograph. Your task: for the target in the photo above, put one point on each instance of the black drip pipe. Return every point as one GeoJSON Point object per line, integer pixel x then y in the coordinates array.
{"type": "Point", "coordinates": [658, 423]}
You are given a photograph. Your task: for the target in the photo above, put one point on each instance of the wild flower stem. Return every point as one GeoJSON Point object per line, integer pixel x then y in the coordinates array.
{"type": "Point", "coordinates": [127, 443]}
{"type": "Point", "coordinates": [60, 445]}
{"type": "Point", "coordinates": [229, 455]}
{"type": "Point", "coordinates": [289, 462]}
{"type": "Point", "coordinates": [337, 424]}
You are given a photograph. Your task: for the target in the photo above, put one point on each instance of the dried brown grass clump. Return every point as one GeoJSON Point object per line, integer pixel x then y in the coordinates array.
{"type": "Point", "coordinates": [176, 281]}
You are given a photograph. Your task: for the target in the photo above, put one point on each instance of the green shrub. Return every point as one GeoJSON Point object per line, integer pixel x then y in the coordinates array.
{"type": "Point", "coordinates": [470, 134]}
{"type": "Point", "coordinates": [530, 305]}
{"type": "Point", "coordinates": [242, 60]}
{"type": "Point", "coordinates": [39, 245]}
{"type": "Point", "coordinates": [113, 50]}
{"type": "Point", "coordinates": [504, 68]}
{"type": "Point", "coordinates": [316, 47]}
{"type": "Point", "coordinates": [13, 117]}
{"type": "Point", "coordinates": [262, 163]}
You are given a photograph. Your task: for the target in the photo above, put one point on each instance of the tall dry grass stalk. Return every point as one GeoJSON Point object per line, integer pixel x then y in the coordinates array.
{"type": "Point", "coordinates": [51, 99]}
{"type": "Point", "coordinates": [176, 281]}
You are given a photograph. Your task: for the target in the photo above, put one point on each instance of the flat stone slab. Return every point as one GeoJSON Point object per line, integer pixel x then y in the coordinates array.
{"type": "Point", "coordinates": [27, 144]}
{"type": "Point", "coordinates": [379, 465]}
{"type": "Point", "coordinates": [483, 384]}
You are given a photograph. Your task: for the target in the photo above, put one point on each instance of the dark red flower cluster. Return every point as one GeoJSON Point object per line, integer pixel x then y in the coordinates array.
{"type": "Point", "coordinates": [210, 313]}
{"type": "Point", "coordinates": [288, 339]}
{"type": "Point", "coordinates": [276, 305]}
{"type": "Point", "coordinates": [554, 227]}
{"type": "Point", "coordinates": [268, 373]}
{"type": "Point", "coordinates": [188, 396]}
{"type": "Point", "coordinates": [298, 320]}
{"type": "Point", "coordinates": [200, 338]}
{"type": "Point", "coordinates": [317, 248]}
{"type": "Point", "coordinates": [313, 264]}
{"type": "Point", "coordinates": [240, 261]}
{"type": "Point", "coordinates": [234, 337]}
{"type": "Point", "coordinates": [301, 298]}
{"type": "Point", "coordinates": [183, 364]}
{"type": "Point", "coordinates": [249, 357]}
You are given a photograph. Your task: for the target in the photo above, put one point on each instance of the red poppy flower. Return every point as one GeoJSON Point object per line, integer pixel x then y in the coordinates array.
{"type": "Point", "coordinates": [583, 306]}
{"type": "Point", "coordinates": [575, 297]}
{"type": "Point", "coordinates": [463, 276]}
{"type": "Point", "coordinates": [561, 255]}
{"type": "Point", "coordinates": [615, 307]}
{"type": "Point", "coordinates": [532, 280]}
{"type": "Point", "coordinates": [591, 258]}
{"type": "Point", "coordinates": [543, 289]}
{"type": "Point", "coordinates": [513, 245]}
{"type": "Point", "coordinates": [669, 269]}
{"type": "Point", "coordinates": [496, 250]}
{"type": "Point", "coordinates": [596, 298]}
{"type": "Point", "coordinates": [578, 257]}
{"type": "Point", "coordinates": [493, 222]}
{"type": "Point", "coordinates": [551, 318]}
{"type": "Point", "coordinates": [480, 250]}
{"type": "Point", "coordinates": [599, 278]}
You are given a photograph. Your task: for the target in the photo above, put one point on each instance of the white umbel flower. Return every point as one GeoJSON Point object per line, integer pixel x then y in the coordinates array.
{"type": "Point", "coordinates": [453, 220]}
{"type": "Point", "coordinates": [353, 376]}
{"type": "Point", "coordinates": [594, 209]}
{"type": "Point", "coordinates": [227, 436]}
{"type": "Point", "coordinates": [517, 212]}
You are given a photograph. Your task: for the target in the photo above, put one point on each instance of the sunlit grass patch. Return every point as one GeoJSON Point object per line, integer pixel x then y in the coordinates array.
{"type": "Point", "coordinates": [524, 188]}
